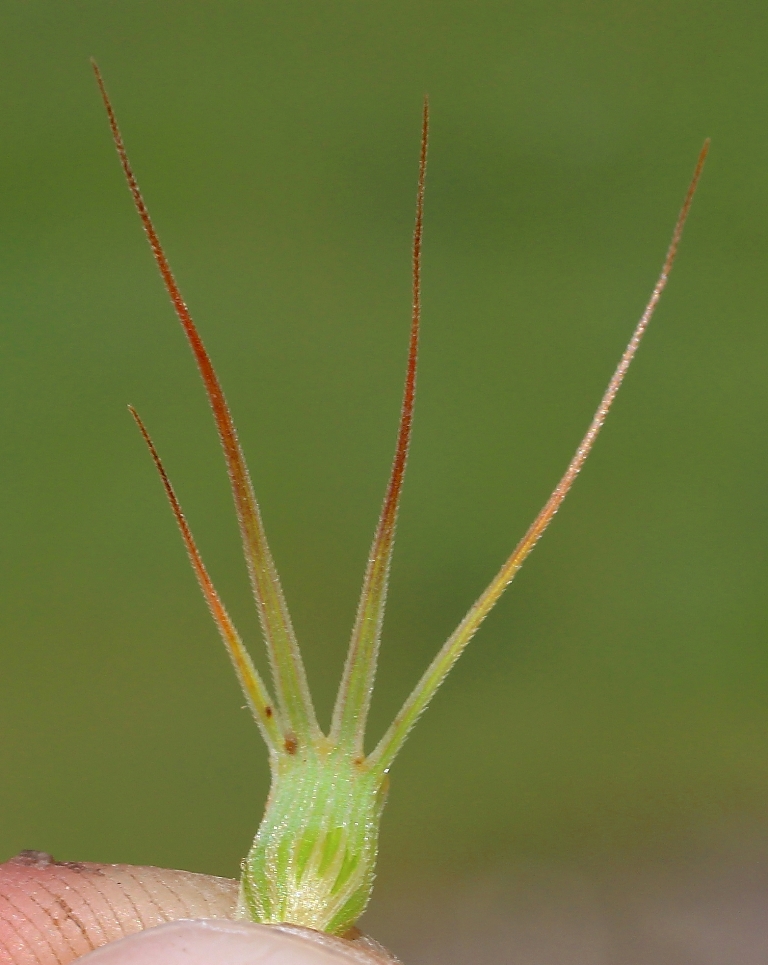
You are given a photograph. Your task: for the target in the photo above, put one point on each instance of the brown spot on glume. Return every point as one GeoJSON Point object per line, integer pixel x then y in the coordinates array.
{"type": "Point", "coordinates": [268, 711]}
{"type": "Point", "coordinates": [291, 744]}
{"type": "Point", "coordinates": [358, 761]}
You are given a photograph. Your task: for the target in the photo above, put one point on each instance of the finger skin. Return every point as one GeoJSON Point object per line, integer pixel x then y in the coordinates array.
{"type": "Point", "coordinates": [211, 942]}
{"type": "Point", "coordinates": [53, 912]}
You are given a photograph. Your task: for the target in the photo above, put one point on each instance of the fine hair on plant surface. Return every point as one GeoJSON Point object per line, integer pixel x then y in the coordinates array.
{"type": "Point", "coordinates": [312, 861]}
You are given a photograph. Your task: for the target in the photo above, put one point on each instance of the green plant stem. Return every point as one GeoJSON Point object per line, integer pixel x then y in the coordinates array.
{"type": "Point", "coordinates": [450, 652]}
{"type": "Point", "coordinates": [285, 660]}
{"type": "Point", "coordinates": [261, 703]}
{"type": "Point", "coordinates": [354, 698]}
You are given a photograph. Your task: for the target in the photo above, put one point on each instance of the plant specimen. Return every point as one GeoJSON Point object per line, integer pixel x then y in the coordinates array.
{"type": "Point", "coordinates": [312, 861]}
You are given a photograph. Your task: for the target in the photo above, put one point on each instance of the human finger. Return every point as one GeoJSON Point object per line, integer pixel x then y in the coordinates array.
{"type": "Point", "coordinates": [218, 942]}
{"type": "Point", "coordinates": [52, 912]}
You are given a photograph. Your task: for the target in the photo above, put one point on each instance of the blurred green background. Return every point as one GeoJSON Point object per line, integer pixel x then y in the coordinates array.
{"type": "Point", "coordinates": [614, 706]}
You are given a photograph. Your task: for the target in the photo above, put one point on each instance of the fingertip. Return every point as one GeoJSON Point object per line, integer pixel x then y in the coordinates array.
{"type": "Point", "coordinates": [217, 942]}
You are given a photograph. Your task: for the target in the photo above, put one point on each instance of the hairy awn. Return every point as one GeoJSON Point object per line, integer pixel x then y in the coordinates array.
{"type": "Point", "coordinates": [312, 861]}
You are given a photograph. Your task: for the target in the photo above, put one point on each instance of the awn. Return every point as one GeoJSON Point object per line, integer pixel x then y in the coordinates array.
{"type": "Point", "coordinates": [312, 861]}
